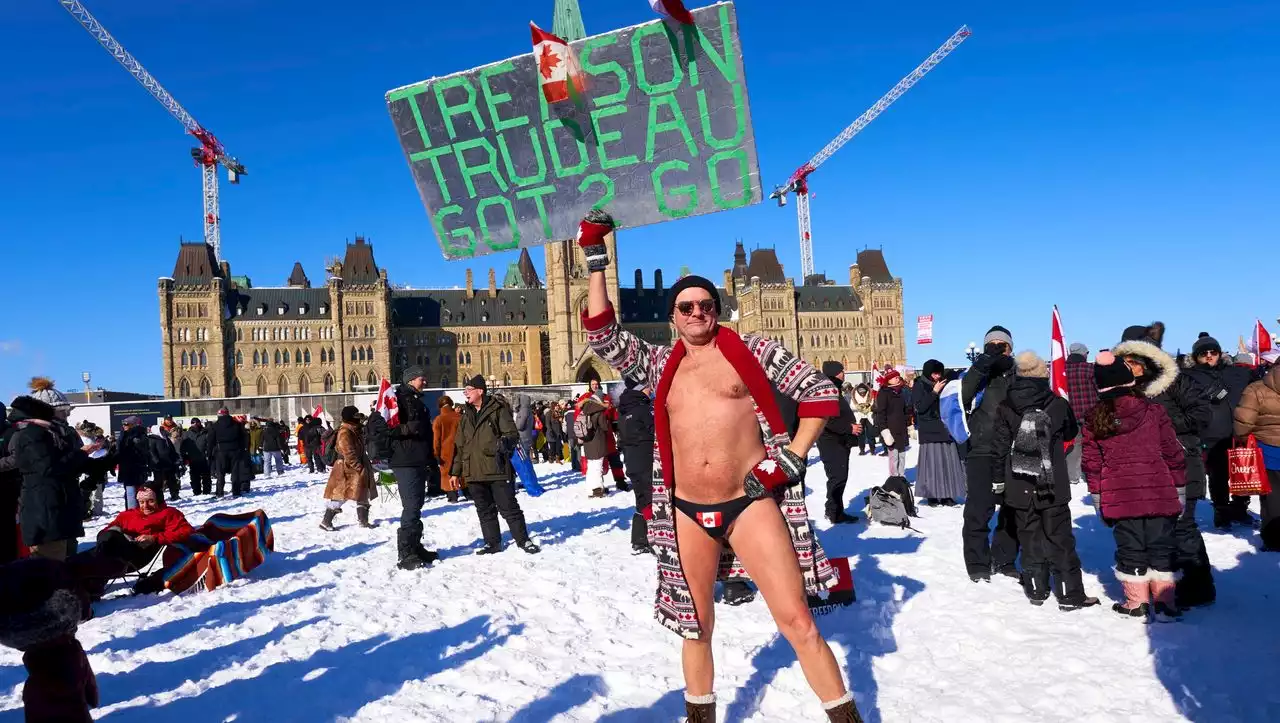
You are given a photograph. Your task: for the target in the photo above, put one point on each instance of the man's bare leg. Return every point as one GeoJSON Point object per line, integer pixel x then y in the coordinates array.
{"type": "Point", "coordinates": [761, 539]}
{"type": "Point", "coordinates": [700, 558]}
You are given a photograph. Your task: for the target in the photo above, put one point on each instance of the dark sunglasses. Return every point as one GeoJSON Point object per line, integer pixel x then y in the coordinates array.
{"type": "Point", "coordinates": [686, 307]}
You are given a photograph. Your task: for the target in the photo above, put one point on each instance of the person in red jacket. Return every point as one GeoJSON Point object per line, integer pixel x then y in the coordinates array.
{"type": "Point", "coordinates": [1136, 471]}
{"type": "Point", "coordinates": [130, 542]}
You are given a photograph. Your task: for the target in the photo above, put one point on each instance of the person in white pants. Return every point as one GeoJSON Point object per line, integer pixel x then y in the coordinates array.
{"type": "Point", "coordinates": [595, 447]}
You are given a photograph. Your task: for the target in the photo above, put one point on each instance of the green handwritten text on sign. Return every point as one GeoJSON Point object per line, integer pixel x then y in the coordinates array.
{"type": "Point", "coordinates": [662, 132]}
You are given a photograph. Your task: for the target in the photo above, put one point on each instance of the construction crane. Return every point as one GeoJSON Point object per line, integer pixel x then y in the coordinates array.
{"type": "Point", "coordinates": [798, 183]}
{"type": "Point", "coordinates": [208, 156]}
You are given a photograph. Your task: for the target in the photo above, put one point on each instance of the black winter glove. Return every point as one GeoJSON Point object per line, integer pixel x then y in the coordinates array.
{"type": "Point", "coordinates": [993, 349]}
{"type": "Point", "coordinates": [1001, 365]}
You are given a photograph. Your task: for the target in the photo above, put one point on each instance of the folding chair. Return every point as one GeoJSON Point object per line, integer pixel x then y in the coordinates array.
{"type": "Point", "coordinates": [387, 488]}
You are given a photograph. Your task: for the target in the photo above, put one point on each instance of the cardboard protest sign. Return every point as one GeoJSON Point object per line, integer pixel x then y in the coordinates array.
{"type": "Point", "coordinates": [663, 131]}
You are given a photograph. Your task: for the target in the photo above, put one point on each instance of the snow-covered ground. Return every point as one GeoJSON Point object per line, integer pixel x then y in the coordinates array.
{"type": "Point", "coordinates": [329, 629]}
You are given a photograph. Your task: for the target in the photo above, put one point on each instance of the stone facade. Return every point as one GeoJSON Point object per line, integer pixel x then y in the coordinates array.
{"type": "Point", "coordinates": [223, 337]}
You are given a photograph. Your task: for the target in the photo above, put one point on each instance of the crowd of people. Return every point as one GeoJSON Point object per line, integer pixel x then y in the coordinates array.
{"type": "Point", "coordinates": [1146, 432]}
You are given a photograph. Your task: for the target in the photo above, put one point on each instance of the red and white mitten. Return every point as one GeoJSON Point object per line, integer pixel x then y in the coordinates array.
{"type": "Point", "coordinates": [773, 472]}
{"type": "Point", "coordinates": [591, 232]}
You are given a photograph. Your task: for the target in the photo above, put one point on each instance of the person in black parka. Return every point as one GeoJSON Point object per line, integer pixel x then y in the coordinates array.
{"type": "Point", "coordinates": [163, 460]}
{"type": "Point", "coordinates": [133, 459]}
{"type": "Point", "coordinates": [376, 441]}
{"type": "Point", "coordinates": [836, 441]}
{"type": "Point", "coordinates": [10, 488]}
{"type": "Point", "coordinates": [229, 448]}
{"type": "Point", "coordinates": [312, 435]}
{"type": "Point", "coordinates": [991, 376]}
{"type": "Point", "coordinates": [413, 462]}
{"type": "Point", "coordinates": [1159, 379]}
{"type": "Point", "coordinates": [1223, 385]}
{"type": "Point", "coordinates": [195, 453]}
{"type": "Point", "coordinates": [1032, 424]}
{"type": "Point", "coordinates": [50, 457]}
{"type": "Point", "coordinates": [635, 439]}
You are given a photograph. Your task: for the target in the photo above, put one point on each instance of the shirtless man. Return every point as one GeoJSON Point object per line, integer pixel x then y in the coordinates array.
{"type": "Point", "coordinates": [728, 495]}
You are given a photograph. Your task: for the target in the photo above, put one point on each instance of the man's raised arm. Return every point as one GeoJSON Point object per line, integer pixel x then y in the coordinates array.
{"type": "Point", "coordinates": [620, 349]}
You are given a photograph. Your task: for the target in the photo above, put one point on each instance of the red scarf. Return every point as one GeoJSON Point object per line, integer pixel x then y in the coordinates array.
{"type": "Point", "coordinates": [743, 362]}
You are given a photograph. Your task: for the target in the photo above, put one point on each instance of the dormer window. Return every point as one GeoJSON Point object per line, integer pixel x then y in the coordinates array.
{"type": "Point", "coordinates": [262, 309]}
{"type": "Point", "coordinates": [324, 308]}
{"type": "Point", "coordinates": [303, 309]}
{"type": "Point", "coordinates": [282, 309]}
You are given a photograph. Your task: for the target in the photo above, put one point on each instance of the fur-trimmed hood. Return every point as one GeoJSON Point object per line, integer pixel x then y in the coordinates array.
{"type": "Point", "coordinates": [30, 408]}
{"type": "Point", "coordinates": [1158, 361]}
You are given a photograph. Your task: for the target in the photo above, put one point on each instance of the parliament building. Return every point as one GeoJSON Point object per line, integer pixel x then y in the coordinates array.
{"type": "Point", "coordinates": [225, 337]}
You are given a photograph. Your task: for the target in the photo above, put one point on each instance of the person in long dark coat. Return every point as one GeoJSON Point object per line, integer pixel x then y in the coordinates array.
{"type": "Point", "coordinates": [891, 420]}
{"type": "Point", "coordinates": [50, 457]}
{"type": "Point", "coordinates": [939, 471]}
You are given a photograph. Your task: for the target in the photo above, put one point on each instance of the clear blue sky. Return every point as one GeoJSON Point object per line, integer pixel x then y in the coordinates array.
{"type": "Point", "coordinates": [1117, 159]}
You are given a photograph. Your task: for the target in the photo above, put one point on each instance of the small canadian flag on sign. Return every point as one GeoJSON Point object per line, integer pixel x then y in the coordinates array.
{"type": "Point", "coordinates": [559, 74]}
{"type": "Point", "coordinates": [387, 406]}
{"type": "Point", "coordinates": [709, 519]}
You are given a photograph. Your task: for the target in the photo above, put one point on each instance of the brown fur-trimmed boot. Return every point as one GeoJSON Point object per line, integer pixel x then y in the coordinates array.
{"type": "Point", "coordinates": [843, 710]}
{"type": "Point", "coordinates": [700, 708]}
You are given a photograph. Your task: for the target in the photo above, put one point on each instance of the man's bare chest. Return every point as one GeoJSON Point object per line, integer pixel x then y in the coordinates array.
{"type": "Point", "coordinates": [709, 379]}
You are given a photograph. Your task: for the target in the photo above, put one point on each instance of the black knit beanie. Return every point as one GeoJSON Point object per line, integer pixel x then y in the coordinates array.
{"type": "Point", "coordinates": [1204, 344]}
{"type": "Point", "coordinates": [691, 282]}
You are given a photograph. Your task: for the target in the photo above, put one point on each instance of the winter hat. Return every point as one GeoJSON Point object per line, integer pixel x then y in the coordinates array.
{"type": "Point", "coordinates": [132, 421]}
{"type": "Point", "coordinates": [1032, 366]}
{"type": "Point", "coordinates": [691, 282]}
{"type": "Point", "coordinates": [1245, 359]}
{"type": "Point", "coordinates": [42, 388]}
{"type": "Point", "coordinates": [412, 373]}
{"type": "Point", "coordinates": [1111, 375]}
{"type": "Point", "coordinates": [1000, 334]}
{"type": "Point", "coordinates": [1205, 343]}
{"type": "Point", "coordinates": [477, 382]}
{"type": "Point", "coordinates": [37, 604]}
{"type": "Point", "coordinates": [350, 414]}
{"type": "Point", "coordinates": [832, 368]}
{"type": "Point", "coordinates": [223, 412]}
{"type": "Point", "coordinates": [890, 375]}
{"type": "Point", "coordinates": [931, 367]}
{"type": "Point", "coordinates": [1153, 333]}
{"type": "Point", "coordinates": [1270, 357]}
{"type": "Point", "coordinates": [1078, 349]}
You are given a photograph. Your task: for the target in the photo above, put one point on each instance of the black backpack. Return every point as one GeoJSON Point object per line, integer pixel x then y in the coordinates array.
{"type": "Point", "coordinates": [892, 503]}
{"type": "Point", "coordinates": [330, 443]}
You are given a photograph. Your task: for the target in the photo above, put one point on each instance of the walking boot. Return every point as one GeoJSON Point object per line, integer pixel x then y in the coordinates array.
{"type": "Point", "coordinates": [1074, 600]}
{"type": "Point", "coordinates": [327, 522]}
{"type": "Point", "coordinates": [1035, 583]}
{"type": "Point", "coordinates": [362, 517]}
{"type": "Point", "coordinates": [1196, 587]}
{"type": "Point", "coordinates": [1137, 596]}
{"type": "Point", "coordinates": [737, 593]}
{"type": "Point", "coordinates": [700, 708]}
{"type": "Point", "coordinates": [843, 710]}
{"type": "Point", "coordinates": [1164, 593]}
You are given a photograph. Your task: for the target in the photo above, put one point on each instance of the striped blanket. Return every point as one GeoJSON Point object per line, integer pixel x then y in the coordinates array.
{"type": "Point", "coordinates": [224, 548]}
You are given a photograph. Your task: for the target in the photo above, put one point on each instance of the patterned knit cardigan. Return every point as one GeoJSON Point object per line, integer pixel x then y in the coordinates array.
{"type": "Point", "coordinates": [764, 365]}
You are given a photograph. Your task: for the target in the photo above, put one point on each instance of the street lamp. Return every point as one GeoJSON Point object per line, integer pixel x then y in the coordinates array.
{"type": "Point", "coordinates": [87, 394]}
{"type": "Point", "coordinates": [971, 352]}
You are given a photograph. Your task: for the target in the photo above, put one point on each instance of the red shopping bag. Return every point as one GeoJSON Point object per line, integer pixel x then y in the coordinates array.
{"type": "Point", "coordinates": [1246, 471]}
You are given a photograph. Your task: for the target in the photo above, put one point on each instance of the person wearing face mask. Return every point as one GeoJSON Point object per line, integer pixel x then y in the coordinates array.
{"type": "Point", "coordinates": [50, 457]}
{"type": "Point", "coordinates": [982, 390]}
{"type": "Point", "coordinates": [728, 488]}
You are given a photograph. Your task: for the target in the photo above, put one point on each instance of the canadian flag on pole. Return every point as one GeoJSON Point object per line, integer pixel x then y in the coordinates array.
{"type": "Point", "coordinates": [1058, 359]}
{"type": "Point", "coordinates": [875, 376]}
{"type": "Point", "coordinates": [559, 74]}
{"type": "Point", "coordinates": [673, 9]}
{"type": "Point", "coordinates": [387, 405]}
{"type": "Point", "coordinates": [1261, 338]}
{"type": "Point", "coordinates": [319, 413]}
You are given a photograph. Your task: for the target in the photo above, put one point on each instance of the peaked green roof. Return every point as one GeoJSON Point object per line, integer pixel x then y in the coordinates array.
{"type": "Point", "coordinates": [567, 21]}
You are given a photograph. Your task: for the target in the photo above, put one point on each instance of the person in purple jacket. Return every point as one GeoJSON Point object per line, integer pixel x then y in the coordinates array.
{"type": "Point", "coordinates": [1136, 471]}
